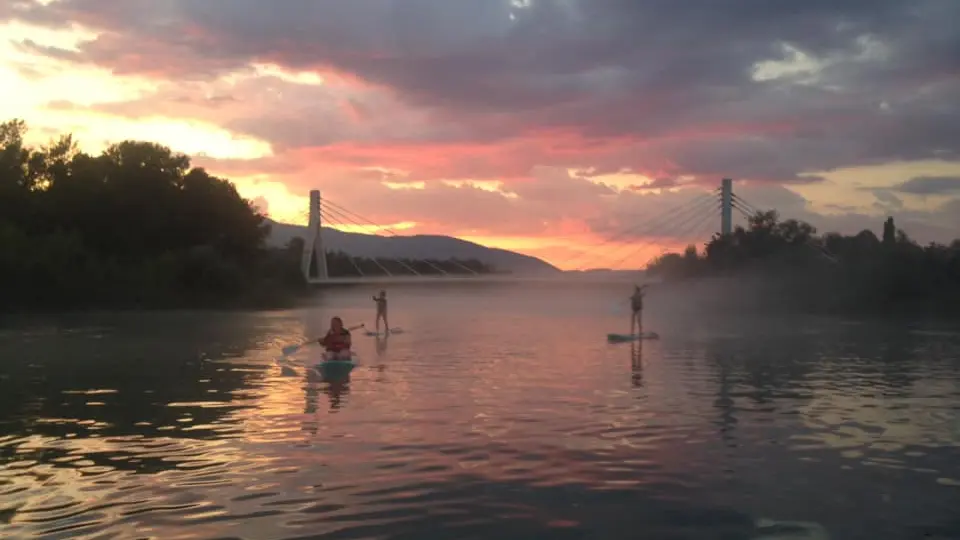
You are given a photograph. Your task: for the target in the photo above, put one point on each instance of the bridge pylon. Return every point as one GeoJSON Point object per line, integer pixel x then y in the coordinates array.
{"type": "Point", "coordinates": [726, 206]}
{"type": "Point", "coordinates": [314, 254]}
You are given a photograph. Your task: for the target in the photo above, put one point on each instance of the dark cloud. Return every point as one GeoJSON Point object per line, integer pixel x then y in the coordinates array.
{"type": "Point", "coordinates": [930, 185]}
{"type": "Point", "coordinates": [845, 208]}
{"type": "Point", "coordinates": [662, 87]}
{"type": "Point", "coordinates": [887, 200]}
{"type": "Point", "coordinates": [658, 183]}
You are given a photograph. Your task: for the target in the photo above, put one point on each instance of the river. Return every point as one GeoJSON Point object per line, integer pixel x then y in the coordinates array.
{"type": "Point", "coordinates": [499, 412]}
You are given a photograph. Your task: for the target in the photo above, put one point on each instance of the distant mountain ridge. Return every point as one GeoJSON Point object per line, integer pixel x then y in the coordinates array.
{"type": "Point", "coordinates": [419, 246]}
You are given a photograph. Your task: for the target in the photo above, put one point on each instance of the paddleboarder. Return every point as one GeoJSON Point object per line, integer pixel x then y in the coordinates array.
{"type": "Point", "coordinates": [382, 311]}
{"type": "Point", "coordinates": [636, 305]}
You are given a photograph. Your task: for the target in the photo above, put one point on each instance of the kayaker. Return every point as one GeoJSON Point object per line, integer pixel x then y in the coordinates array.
{"type": "Point", "coordinates": [636, 305]}
{"type": "Point", "coordinates": [337, 341]}
{"type": "Point", "coordinates": [382, 311]}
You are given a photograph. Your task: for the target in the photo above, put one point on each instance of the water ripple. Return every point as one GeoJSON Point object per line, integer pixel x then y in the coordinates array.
{"type": "Point", "coordinates": [186, 425]}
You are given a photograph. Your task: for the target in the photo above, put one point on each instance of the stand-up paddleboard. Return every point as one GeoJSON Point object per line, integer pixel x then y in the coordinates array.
{"type": "Point", "coordinates": [621, 338]}
{"type": "Point", "coordinates": [381, 334]}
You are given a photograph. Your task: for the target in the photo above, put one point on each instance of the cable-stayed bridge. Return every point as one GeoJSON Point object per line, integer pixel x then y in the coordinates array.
{"type": "Point", "coordinates": [692, 222]}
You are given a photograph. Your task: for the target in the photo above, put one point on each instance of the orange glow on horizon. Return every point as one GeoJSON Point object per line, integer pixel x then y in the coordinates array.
{"type": "Point", "coordinates": [376, 230]}
{"type": "Point", "coordinates": [393, 153]}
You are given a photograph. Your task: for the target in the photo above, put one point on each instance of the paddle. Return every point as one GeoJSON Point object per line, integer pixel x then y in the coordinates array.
{"type": "Point", "coordinates": [290, 349]}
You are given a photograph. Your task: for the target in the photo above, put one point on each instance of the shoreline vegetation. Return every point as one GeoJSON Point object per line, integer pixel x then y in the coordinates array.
{"type": "Point", "coordinates": [786, 266]}
{"type": "Point", "coordinates": [138, 227]}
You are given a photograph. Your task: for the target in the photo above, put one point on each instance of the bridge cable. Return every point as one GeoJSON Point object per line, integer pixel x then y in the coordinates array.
{"type": "Point", "coordinates": [347, 211]}
{"type": "Point", "coordinates": [816, 246]}
{"type": "Point", "coordinates": [745, 211]}
{"type": "Point", "coordinates": [334, 206]}
{"type": "Point", "coordinates": [748, 210]}
{"type": "Point", "coordinates": [698, 230]}
{"type": "Point", "coordinates": [329, 211]}
{"type": "Point", "coordinates": [646, 224]}
{"type": "Point", "coordinates": [693, 222]}
{"type": "Point", "coordinates": [326, 216]}
{"type": "Point", "coordinates": [351, 258]}
{"type": "Point", "coordinates": [698, 219]}
{"type": "Point", "coordinates": [354, 263]}
{"type": "Point", "coordinates": [306, 216]}
{"type": "Point", "coordinates": [676, 219]}
{"type": "Point", "coordinates": [743, 202]}
{"type": "Point", "coordinates": [329, 218]}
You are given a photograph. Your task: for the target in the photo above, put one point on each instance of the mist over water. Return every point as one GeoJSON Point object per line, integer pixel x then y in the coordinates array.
{"type": "Point", "coordinates": [499, 412]}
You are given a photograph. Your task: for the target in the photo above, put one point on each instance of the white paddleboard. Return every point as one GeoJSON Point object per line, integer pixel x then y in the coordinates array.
{"type": "Point", "coordinates": [621, 338]}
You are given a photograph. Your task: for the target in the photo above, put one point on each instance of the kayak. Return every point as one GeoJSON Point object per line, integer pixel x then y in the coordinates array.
{"type": "Point", "coordinates": [335, 367]}
{"type": "Point", "coordinates": [619, 338]}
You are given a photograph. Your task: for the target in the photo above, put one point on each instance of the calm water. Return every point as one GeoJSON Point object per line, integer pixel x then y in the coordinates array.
{"type": "Point", "coordinates": [498, 413]}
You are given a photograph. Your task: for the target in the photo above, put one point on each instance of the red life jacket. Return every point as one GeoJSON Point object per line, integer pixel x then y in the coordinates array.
{"type": "Point", "coordinates": [336, 342]}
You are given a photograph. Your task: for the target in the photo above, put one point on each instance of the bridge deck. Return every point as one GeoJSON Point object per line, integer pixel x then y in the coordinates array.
{"type": "Point", "coordinates": [482, 278]}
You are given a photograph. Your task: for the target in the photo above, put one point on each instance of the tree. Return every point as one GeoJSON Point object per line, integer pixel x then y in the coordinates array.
{"type": "Point", "coordinates": [889, 232]}
{"type": "Point", "coordinates": [138, 225]}
{"type": "Point", "coordinates": [861, 271]}
{"type": "Point", "coordinates": [135, 222]}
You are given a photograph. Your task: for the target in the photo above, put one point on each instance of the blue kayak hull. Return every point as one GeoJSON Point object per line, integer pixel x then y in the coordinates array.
{"type": "Point", "coordinates": [335, 367]}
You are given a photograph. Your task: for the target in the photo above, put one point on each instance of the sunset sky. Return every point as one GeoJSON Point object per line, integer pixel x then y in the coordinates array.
{"type": "Point", "coordinates": [544, 126]}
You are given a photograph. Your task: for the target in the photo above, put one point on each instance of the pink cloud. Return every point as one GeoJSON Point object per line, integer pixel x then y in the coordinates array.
{"type": "Point", "coordinates": [436, 91]}
{"type": "Point", "coordinates": [262, 205]}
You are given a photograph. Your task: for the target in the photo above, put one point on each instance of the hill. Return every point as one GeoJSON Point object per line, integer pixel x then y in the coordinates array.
{"type": "Point", "coordinates": [419, 246]}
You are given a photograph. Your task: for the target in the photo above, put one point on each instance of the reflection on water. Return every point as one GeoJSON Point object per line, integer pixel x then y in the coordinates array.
{"type": "Point", "coordinates": [499, 413]}
{"type": "Point", "coordinates": [636, 363]}
{"type": "Point", "coordinates": [382, 345]}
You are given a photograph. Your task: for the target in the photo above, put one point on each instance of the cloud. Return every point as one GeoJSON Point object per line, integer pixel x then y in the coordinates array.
{"type": "Point", "coordinates": [887, 201]}
{"type": "Point", "coordinates": [548, 201]}
{"type": "Point", "coordinates": [547, 117]}
{"type": "Point", "coordinates": [680, 82]}
{"type": "Point", "coordinates": [659, 183]}
{"type": "Point", "coordinates": [930, 185]}
{"type": "Point", "coordinates": [262, 205]}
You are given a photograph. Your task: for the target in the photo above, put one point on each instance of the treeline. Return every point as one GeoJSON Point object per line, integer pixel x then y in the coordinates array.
{"type": "Point", "coordinates": [798, 268]}
{"type": "Point", "coordinates": [135, 226]}
{"type": "Point", "coordinates": [343, 264]}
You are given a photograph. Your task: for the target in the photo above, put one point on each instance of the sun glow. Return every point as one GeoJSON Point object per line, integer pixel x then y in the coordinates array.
{"type": "Point", "coordinates": [34, 86]}
{"type": "Point", "coordinates": [382, 230]}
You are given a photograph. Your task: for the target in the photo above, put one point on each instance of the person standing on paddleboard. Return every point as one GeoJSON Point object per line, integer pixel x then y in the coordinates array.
{"type": "Point", "coordinates": [337, 341]}
{"type": "Point", "coordinates": [636, 305]}
{"type": "Point", "coordinates": [382, 311]}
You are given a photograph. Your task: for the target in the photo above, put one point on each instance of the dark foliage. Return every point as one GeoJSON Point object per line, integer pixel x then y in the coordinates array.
{"type": "Point", "coordinates": [134, 226]}
{"type": "Point", "coordinates": [800, 269]}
